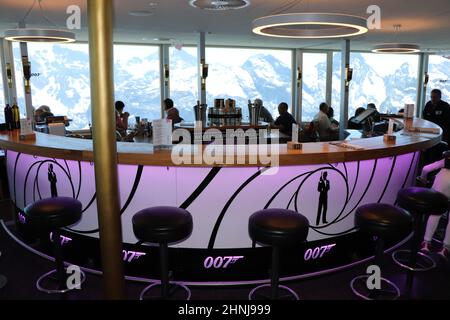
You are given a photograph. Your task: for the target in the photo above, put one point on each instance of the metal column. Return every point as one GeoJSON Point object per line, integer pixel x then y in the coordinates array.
{"type": "Point", "coordinates": [329, 86]}
{"type": "Point", "coordinates": [344, 84]}
{"type": "Point", "coordinates": [298, 80]}
{"type": "Point", "coordinates": [422, 84]}
{"type": "Point", "coordinates": [201, 52]}
{"type": "Point", "coordinates": [164, 74]}
{"type": "Point", "coordinates": [100, 13]}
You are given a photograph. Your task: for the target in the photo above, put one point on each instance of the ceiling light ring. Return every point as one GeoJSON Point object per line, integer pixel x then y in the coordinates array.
{"type": "Point", "coordinates": [23, 34]}
{"type": "Point", "coordinates": [39, 35]}
{"type": "Point", "coordinates": [396, 48]}
{"type": "Point", "coordinates": [219, 5]}
{"type": "Point", "coordinates": [275, 25]}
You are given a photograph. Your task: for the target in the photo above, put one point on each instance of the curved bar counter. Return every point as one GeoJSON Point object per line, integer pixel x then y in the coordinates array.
{"type": "Point", "coordinates": [220, 198]}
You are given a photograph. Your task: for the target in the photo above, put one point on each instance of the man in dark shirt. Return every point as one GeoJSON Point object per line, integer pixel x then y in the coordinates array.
{"type": "Point", "coordinates": [438, 111]}
{"type": "Point", "coordinates": [285, 121]}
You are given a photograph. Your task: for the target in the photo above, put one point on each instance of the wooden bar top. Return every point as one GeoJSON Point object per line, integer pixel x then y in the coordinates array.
{"type": "Point", "coordinates": [233, 156]}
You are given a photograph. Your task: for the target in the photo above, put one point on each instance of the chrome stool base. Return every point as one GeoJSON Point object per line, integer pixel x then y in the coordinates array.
{"type": "Point", "coordinates": [266, 293]}
{"type": "Point", "coordinates": [173, 288]}
{"type": "Point", "coordinates": [389, 290]}
{"type": "Point", "coordinates": [423, 261]}
{"type": "Point", "coordinates": [49, 283]}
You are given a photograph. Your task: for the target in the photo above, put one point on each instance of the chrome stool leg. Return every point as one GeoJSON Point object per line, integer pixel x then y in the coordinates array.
{"type": "Point", "coordinates": [167, 289]}
{"type": "Point", "coordinates": [272, 290]}
{"type": "Point", "coordinates": [55, 281]}
{"type": "Point", "coordinates": [51, 283]}
{"type": "Point", "coordinates": [173, 287]}
{"type": "Point", "coordinates": [389, 292]}
{"type": "Point", "coordinates": [413, 260]}
{"type": "Point", "coordinates": [264, 291]}
{"type": "Point", "coordinates": [423, 262]}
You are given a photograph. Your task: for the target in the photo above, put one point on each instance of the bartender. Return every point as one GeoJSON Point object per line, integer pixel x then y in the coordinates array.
{"type": "Point", "coordinates": [438, 111]}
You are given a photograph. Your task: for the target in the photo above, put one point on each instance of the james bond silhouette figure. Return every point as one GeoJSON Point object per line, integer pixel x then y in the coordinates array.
{"type": "Point", "coordinates": [53, 180]}
{"type": "Point", "coordinates": [323, 188]}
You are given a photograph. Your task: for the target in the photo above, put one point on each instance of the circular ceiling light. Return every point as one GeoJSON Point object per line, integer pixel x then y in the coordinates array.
{"type": "Point", "coordinates": [39, 35]}
{"type": "Point", "coordinates": [140, 13]}
{"type": "Point", "coordinates": [396, 48]}
{"type": "Point", "coordinates": [219, 4]}
{"type": "Point", "coordinates": [310, 25]}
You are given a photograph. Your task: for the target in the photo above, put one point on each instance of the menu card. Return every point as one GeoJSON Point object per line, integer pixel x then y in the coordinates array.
{"type": "Point", "coordinates": [26, 127]}
{"type": "Point", "coordinates": [162, 133]}
{"type": "Point", "coordinates": [294, 132]}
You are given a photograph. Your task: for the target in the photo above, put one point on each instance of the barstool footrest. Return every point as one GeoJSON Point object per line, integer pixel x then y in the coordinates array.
{"type": "Point", "coordinates": [173, 288]}
{"type": "Point", "coordinates": [390, 289]}
{"type": "Point", "coordinates": [48, 283]}
{"type": "Point", "coordinates": [291, 294]}
{"type": "Point", "coordinates": [423, 261]}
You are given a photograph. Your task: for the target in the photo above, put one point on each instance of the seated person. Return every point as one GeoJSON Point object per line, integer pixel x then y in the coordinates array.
{"type": "Point", "coordinates": [353, 125]}
{"type": "Point", "coordinates": [121, 118]}
{"type": "Point", "coordinates": [442, 185]}
{"type": "Point", "coordinates": [41, 114]}
{"type": "Point", "coordinates": [327, 131]}
{"type": "Point", "coordinates": [438, 112]}
{"type": "Point", "coordinates": [264, 114]}
{"type": "Point", "coordinates": [285, 121]}
{"type": "Point", "coordinates": [331, 116]}
{"type": "Point", "coordinates": [172, 112]}
{"type": "Point", "coordinates": [376, 116]}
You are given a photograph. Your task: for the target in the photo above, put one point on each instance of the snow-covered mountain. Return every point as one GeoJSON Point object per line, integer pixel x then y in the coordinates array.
{"type": "Point", "coordinates": [63, 83]}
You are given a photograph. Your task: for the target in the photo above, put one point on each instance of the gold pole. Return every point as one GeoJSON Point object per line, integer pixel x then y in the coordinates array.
{"type": "Point", "coordinates": [100, 14]}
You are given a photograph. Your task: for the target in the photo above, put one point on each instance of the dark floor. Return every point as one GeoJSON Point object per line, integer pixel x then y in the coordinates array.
{"type": "Point", "coordinates": [22, 268]}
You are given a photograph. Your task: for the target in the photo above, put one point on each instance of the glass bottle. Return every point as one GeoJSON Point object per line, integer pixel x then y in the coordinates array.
{"type": "Point", "coordinates": [8, 117]}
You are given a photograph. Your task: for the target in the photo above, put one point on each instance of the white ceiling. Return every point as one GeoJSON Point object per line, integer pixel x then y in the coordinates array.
{"type": "Point", "coordinates": [423, 22]}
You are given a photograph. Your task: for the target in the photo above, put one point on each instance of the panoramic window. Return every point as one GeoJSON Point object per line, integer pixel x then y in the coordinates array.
{"type": "Point", "coordinates": [336, 85]}
{"type": "Point", "coordinates": [314, 83]}
{"type": "Point", "coordinates": [136, 77]}
{"type": "Point", "coordinates": [247, 74]}
{"type": "Point", "coordinates": [61, 80]}
{"type": "Point", "coordinates": [387, 80]}
{"type": "Point", "coordinates": [439, 72]}
{"type": "Point", "coordinates": [184, 80]}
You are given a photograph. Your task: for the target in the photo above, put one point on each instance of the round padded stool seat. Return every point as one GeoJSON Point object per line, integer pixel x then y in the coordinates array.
{"type": "Point", "coordinates": [162, 224]}
{"type": "Point", "coordinates": [382, 220]}
{"type": "Point", "coordinates": [278, 227]}
{"type": "Point", "coordinates": [53, 213]}
{"type": "Point", "coordinates": [422, 200]}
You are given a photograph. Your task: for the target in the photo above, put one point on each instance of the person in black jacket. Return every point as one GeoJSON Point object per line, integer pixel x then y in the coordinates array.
{"type": "Point", "coordinates": [438, 112]}
{"type": "Point", "coordinates": [353, 125]}
{"type": "Point", "coordinates": [285, 121]}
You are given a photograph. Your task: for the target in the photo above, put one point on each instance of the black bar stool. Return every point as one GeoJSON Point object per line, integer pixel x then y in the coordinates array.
{"type": "Point", "coordinates": [48, 216]}
{"type": "Point", "coordinates": [163, 225]}
{"type": "Point", "coordinates": [381, 221]}
{"type": "Point", "coordinates": [278, 228]}
{"type": "Point", "coordinates": [420, 202]}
